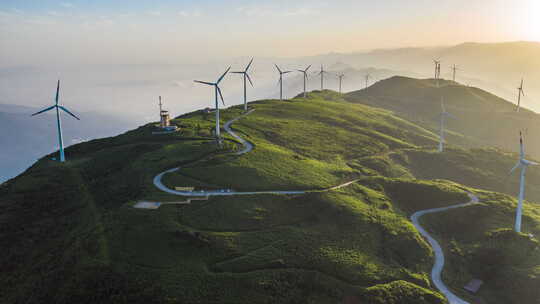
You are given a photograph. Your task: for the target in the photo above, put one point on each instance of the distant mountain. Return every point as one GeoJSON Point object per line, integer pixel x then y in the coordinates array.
{"type": "Point", "coordinates": [496, 67]}
{"type": "Point", "coordinates": [24, 139]}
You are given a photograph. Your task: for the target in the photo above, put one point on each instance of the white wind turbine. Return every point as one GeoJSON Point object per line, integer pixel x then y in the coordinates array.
{"type": "Point", "coordinates": [281, 73]}
{"type": "Point", "coordinates": [340, 76]}
{"type": "Point", "coordinates": [443, 116]}
{"type": "Point", "coordinates": [522, 164]}
{"type": "Point", "coordinates": [305, 78]}
{"type": "Point", "coordinates": [322, 72]}
{"type": "Point", "coordinates": [245, 76]}
{"type": "Point", "coordinates": [217, 92]}
{"type": "Point", "coordinates": [58, 121]}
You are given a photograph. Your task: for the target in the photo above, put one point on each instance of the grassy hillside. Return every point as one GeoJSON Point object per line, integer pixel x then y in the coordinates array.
{"type": "Point", "coordinates": [482, 120]}
{"type": "Point", "coordinates": [72, 236]}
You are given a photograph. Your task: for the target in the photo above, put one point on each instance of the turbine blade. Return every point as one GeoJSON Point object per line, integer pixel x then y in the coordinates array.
{"type": "Point", "coordinates": [279, 70]}
{"type": "Point", "coordinates": [249, 79]}
{"type": "Point", "coordinates": [222, 76]}
{"type": "Point", "coordinates": [204, 82]}
{"type": "Point", "coordinates": [237, 72]}
{"type": "Point", "coordinates": [47, 109]}
{"type": "Point", "coordinates": [530, 163]}
{"type": "Point", "coordinates": [514, 168]}
{"type": "Point", "coordinates": [249, 64]}
{"type": "Point", "coordinates": [67, 111]}
{"type": "Point", "coordinates": [220, 95]}
{"type": "Point", "coordinates": [286, 72]}
{"type": "Point", "coordinates": [57, 91]}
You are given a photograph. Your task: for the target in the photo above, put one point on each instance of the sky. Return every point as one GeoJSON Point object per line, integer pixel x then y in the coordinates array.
{"type": "Point", "coordinates": [74, 32]}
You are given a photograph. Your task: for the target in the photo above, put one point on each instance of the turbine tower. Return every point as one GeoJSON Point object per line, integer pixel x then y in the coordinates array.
{"type": "Point", "coordinates": [443, 116]}
{"type": "Point", "coordinates": [245, 76]}
{"type": "Point", "coordinates": [322, 76]}
{"type": "Point", "coordinates": [305, 78]}
{"type": "Point", "coordinates": [520, 93]}
{"type": "Point", "coordinates": [280, 81]}
{"type": "Point", "coordinates": [217, 92]}
{"type": "Point", "coordinates": [58, 122]}
{"type": "Point", "coordinates": [160, 108]}
{"type": "Point", "coordinates": [522, 164]}
{"type": "Point", "coordinates": [340, 76]}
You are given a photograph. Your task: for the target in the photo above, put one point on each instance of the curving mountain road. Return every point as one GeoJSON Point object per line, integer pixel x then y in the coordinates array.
{"type": "Point", "coordinates": [247, 145]}
{"type": "Point", "coordinates": [439, 255]}
{"type": "Point", "coordinates": [247, 148]}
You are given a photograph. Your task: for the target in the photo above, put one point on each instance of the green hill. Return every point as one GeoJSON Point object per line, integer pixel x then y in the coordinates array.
{"type": "Point", "coordinates": [482, 120]}
{"type": "Point", "coordinates": [71, 235]}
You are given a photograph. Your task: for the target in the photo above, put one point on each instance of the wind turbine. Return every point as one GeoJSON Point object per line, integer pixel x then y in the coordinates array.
{"type": "Point", "coordinates": [305, 78]}
{"type": "Point", "coordinates": [322, 76]}
{"type": "Point", "coordinates": [367, 80]}
{"type": "Point", "coordinates": [245, 76]}
{"type": "Point", "coordinates": [160, 108]}
{"type": "Point", "coordinates": [340, 76]}
{"type": "Point", "coordinates": [443, 116]}
{"type": "Point", "coordinates": [522, 164]}
{"type": "Point", "coordinates": [217, 92]}
{"type": "Point", "coordinates": [437, 68]}
{"type": "Point", "coordinates": [281, 81]}
{"type": "Point", "coordinates": [520, 93]}
{"type": "Point", "coordinates": [58, 122]}
{"type": "Point", "coordinates": [454, 69]}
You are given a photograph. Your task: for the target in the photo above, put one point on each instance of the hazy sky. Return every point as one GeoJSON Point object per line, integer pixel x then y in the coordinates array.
{"type": "Point", "coordinates": [182, 31]}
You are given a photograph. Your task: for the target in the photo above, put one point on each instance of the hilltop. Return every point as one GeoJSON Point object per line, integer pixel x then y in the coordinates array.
{"type": "Point", "coordinates": [483, 119]}
{"type": "Point", "coordinates": [73, 236]}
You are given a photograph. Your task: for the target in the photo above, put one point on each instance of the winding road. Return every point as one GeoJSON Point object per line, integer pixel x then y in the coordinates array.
{"type": "Point", "coordinates": [439, 255]}
{"type": "Point", "coordinates": [247, 148]}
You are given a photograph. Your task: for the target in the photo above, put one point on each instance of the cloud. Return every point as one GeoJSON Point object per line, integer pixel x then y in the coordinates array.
{"type": "Point", "coordinates": [67, 4]}
{"type": "Point", "coordinates": [154, 13]}
{"type": "Point", "coordinates": [189, 13]}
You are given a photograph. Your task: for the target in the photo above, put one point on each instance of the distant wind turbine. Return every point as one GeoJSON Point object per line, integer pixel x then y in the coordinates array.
{"type": "Point", "coordinates": [322, 76]}
{"type": "Point", "coordinates": [280, 81]}
{"type": "Point", "coordinates": [520, 93]}
{"type": "Point", "coordinates": [160, 108]}
{"type": "Point", "coordinates": [305, 78]}
{"type": "Point", "coordinates": [437, 70]}
{"type": "Point", "coordinates": [58, 122]}
{"type": "Point", "coordinates": [217, 92]}
{"type": "Point", "coordinates": [367, 80]}
{"type": "Point", "coordinates": [443, 116]}
{"type": "Point", "coordinates": [245, 76]}
{"type": "Point", "coordinates": [454, 69]}
{"type": "Point", "coordinates": [340, 76]}
{"type": "Point", "coordinates": [522, 164]}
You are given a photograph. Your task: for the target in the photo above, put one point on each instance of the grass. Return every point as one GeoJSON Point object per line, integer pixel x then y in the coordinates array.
{"type": "Point", "coordinates": [71, 234]}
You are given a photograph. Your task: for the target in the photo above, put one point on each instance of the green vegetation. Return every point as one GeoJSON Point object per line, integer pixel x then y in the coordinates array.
{"type": "Point", "coordinates": [71, 235]}
{"type": "Point", "coordinates": [483, 119]}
